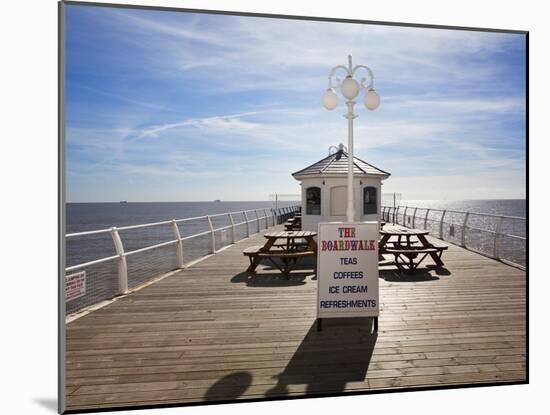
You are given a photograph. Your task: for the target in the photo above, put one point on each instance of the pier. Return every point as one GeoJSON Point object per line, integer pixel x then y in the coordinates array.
{"type": "Point", "coordinates": [213, 332]}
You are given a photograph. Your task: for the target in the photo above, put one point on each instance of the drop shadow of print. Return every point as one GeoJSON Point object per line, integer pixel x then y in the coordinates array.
{"type": "Point", "coordinates": [327, 360]}
{"type": "Point", "coordinates": [229, 387]}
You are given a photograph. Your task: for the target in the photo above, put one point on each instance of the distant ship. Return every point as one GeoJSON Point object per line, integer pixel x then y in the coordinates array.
{"type": "Point", "coordinates": [123, 201]}
{"type": "Point", "coordinates": [217, 200]}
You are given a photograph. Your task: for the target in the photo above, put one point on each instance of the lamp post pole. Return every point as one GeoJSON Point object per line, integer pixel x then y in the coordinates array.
{"type": "Point", "coordinates": [350, 89]}
{"type": "Point", "coordinates": [351, 200]}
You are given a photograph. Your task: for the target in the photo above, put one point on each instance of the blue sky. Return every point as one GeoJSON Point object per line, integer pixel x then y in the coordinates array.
{"type": "Point", "coordinates": [167, 106]}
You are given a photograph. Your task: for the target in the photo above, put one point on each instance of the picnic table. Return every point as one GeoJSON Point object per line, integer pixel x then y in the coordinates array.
{"type": "Point", "coordinates": [282, 245]}
{"type": "Point", "coordinates": [408, 245]}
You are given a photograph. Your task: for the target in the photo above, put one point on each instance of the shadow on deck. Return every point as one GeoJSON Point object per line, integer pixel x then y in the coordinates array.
{"type": "Point", "coordinates": [326, 361]}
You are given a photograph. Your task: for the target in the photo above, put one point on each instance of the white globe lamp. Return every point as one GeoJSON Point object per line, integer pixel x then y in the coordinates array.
{"type": "Point", "coordinates": [330, 99]}
{"type": "Point", "coordinates": [350, 87]}
{"type": "Point", "coordinates": [372, 100]}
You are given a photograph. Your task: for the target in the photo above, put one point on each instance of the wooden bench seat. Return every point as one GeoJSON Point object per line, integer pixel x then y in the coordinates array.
{"type": "Point", "coordinates": [286, 254]}
{"type": "Point", "coordinates": [255, 254]}
{"type": "Point", "coordinates": [252, 250]}
{"type": "Point", "coordinates": [411, 250]}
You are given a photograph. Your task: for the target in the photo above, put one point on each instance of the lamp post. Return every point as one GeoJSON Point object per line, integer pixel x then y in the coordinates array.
{"type": "Point", "coordinates": [350, 88]}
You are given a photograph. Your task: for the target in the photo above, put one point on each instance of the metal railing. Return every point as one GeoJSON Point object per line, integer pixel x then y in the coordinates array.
{"type": "Point", "coordinates": [252, 220]}
{"type": "Point", "coordinates": [500, 237]}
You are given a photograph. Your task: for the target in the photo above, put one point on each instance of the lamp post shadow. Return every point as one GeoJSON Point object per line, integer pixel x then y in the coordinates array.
{"type": "Point", "coordinates": [326, 361]}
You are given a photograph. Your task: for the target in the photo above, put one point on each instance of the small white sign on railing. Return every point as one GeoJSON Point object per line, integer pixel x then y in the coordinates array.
{"type": "Point", "coordinates": [347, 269]}
{"type": "Point", "coordinates": [75, 285]}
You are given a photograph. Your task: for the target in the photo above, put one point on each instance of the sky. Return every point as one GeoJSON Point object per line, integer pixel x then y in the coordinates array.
{"type": "Point", "coordinates": [174, 106]}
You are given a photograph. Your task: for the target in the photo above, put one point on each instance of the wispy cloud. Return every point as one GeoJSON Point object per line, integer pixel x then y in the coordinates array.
{"type": "Point", "coordinates": [218, 123]}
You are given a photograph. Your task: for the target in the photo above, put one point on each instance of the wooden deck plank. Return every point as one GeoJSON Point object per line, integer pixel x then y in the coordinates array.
{"type": "Point", "coordinates": [212, 331]}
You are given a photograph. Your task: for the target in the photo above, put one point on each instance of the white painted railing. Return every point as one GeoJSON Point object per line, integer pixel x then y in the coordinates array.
{"type": "Point", "coordinates": [263, 216]}
{"type": "Point", "coordinates": [484, 233]}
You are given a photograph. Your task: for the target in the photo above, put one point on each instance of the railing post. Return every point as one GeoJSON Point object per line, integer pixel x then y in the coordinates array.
{"type": "Point", "coordinates": [260, 210]}
{"type": "Point", "coordinates": [426, 219]}
{"type": "Point", "coordinates": [396, 216]}
{"type": "Point", "coordinates": [441, 224]}
{"type": "Point", "coordinates": [232, 227]}
{"type": "Point", "coordinates": [496, 253]}
{"type": "Point", "coordinates": [464, 228]}
{"type": "Point", "coordinates": [257, 219]}
{"type": "Point", "coordinates": [212, 236]}
{"type": "Point", "coordinates": [405, 216]}
{"type": "Point", "coordinates": [179, 245]}
{"type": "Point", "coordinates": [414, 217]}
{"type": "Point", "coordinates": [266, 218]}
{"type": "Point", "coordinates": [122, 266]}
{"type": "Point", "coordinates": [247, 227]}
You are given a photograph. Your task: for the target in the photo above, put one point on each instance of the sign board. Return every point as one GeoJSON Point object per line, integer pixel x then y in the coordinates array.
{"type": "Point", "coordinates": [347, 269]}
{"type": "Point", "coordinates": [75, 285]}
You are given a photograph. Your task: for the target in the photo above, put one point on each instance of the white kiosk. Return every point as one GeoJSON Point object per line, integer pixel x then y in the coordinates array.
{"type": "Point", "coordinates": [324, 190]}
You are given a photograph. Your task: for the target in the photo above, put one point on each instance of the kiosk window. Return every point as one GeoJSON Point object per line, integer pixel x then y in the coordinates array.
{"type": "Point", "coordinates": [313, 201]}
{"type": "Point", "coordinates": [370, 203]}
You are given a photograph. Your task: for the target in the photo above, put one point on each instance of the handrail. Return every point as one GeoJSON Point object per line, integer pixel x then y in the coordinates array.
{"type": "Point", "coordinates": [390, 213]}
{"type": "Point", "coordinates": [148, 248]}
{"type": "Point", "coordinates": [90, 263]}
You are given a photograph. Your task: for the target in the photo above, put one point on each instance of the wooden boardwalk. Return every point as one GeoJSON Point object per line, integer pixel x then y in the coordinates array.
{"type": "Point", "coordinates": [213, 332]}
